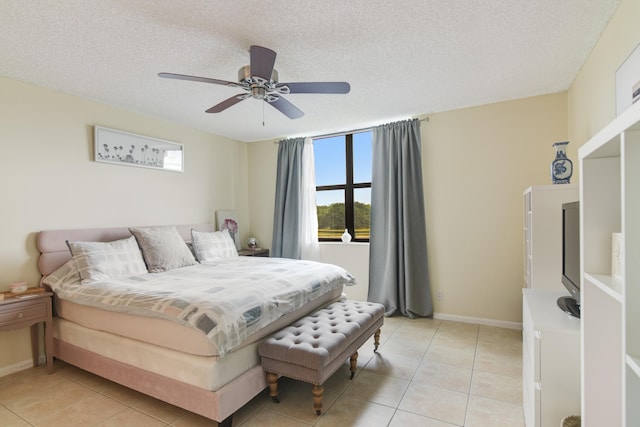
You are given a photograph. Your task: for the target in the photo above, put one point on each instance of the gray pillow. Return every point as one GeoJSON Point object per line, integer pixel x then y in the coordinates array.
{"type": "Point", "coordinates": [163, 248]}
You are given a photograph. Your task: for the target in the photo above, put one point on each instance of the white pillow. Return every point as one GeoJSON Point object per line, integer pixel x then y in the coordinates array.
{"type": "Point", "coordinates": [103, 260]}
{"type": "Point", "coordinates": [163, 248]}
{"type": "Point", "coordinates": [214, 246]}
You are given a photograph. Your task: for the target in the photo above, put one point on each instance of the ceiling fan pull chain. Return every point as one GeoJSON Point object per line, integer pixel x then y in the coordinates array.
{"type": "Point", "coordinates": [263, 114]}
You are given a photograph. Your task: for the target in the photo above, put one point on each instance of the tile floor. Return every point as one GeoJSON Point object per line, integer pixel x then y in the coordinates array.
{"type": "Point", "coordinates": [426, 373]}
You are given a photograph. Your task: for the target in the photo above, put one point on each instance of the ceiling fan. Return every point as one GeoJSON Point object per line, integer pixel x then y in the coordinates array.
{"type": "Point", "coordinates": [260, 81]}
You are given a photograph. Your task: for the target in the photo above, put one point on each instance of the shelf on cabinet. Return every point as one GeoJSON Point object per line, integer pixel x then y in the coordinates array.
{"type": "Point", "coordinates": [612, 286]}
{"type": "Point", "coordinates": [634, 364]}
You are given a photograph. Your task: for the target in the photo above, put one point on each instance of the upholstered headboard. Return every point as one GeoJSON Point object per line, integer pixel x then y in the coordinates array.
{"type": "Point", "coordinates": [54, 251]}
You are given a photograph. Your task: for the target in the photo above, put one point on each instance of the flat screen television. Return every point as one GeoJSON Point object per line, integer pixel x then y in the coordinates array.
{"type": "Point", "coordinates": [571, 258]}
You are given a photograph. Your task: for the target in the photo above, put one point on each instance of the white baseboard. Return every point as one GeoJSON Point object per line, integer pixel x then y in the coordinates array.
{"type": "Point", "coordinates": [478, 321]}
{"type": "Point", "coordinates": [16, 367]}
{"type": "Point", "coordinates": [21, 366]}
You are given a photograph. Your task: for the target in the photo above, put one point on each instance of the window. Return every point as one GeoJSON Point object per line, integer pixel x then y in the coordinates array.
{"type": "Point", "coordinates": [343, 185]}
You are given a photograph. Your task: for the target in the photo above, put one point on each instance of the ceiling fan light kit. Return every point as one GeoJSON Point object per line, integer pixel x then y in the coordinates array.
{"type": "Point", "coordinates": [259, 80]}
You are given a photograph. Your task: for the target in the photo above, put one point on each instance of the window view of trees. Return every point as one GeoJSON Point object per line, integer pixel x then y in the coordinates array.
{"type": "Point", "coordinates": [331, 220]}
{"type": "Point", "coordinates": [343, 179]}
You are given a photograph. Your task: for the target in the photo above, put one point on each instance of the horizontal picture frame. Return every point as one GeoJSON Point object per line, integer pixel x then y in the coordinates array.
{"type": "Point", "coordinates": [130, 149]}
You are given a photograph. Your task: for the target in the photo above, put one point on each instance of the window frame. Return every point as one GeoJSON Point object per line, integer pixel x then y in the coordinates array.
{"type": "Point", "coordinates": [348, 187]}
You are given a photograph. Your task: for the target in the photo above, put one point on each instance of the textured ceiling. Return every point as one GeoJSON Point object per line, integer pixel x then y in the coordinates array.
{"type": "Point", "coordinates": [403, 59]}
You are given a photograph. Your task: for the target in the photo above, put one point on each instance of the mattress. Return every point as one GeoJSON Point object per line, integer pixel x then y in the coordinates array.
{"type": "Point", "coordinates": [209, 372]}
{"type": "Point", "coordinates": [206, 372]}
{"type": "Point", "coordinates": [168, 334]}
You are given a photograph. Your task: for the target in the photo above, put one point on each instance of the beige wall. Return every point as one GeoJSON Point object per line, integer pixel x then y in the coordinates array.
{"type": "Point", "coordinates": [262, 163]}
{"type": "Point", "coordinates": [476, 164]}
{"type": "Point", "coordinates": [48, 180]}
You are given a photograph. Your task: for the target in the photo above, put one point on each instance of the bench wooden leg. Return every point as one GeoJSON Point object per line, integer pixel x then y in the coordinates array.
{"type": "Point", "coordinates": [376, 340]}
{"type": "Point", "coordinates": [354, 363]}
{"type": "Point", "coordinates": [272, 380]}
{"type": "Point", "coordinates": [317, 391]}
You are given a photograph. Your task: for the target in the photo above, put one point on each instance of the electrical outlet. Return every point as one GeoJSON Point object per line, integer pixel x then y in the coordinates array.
{"type": "Point", "coordinates": [439, 295]}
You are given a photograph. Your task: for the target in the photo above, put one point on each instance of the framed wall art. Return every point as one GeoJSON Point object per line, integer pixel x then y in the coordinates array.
{"type": "Point", "coordinates": [130, 149]}
{"type": "Point", "coordinates": [229, 220]}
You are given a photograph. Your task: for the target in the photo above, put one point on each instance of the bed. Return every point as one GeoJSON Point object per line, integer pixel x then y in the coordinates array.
{"type": "Point", "coordinates": [185, 326]}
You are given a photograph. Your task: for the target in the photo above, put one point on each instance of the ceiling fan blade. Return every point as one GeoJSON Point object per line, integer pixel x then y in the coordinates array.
{"type": "Point", "coordinates": [262, 62]}
{"type": "Point", "coordinates": [317, 87]}
{"type": "Point", "coordinates": [229, 102]}
{"type": "Point", "coordinates": [286, 108]}
{"type": "Point", "coordinates": [196, 79]}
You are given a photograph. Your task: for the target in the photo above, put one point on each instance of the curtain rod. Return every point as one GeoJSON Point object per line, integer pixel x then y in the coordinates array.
{"type": "Point", "coordinates": [329, 135]}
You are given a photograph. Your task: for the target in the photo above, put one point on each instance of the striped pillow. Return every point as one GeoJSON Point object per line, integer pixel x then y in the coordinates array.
{"type": "Point", "coordinates": [213, 246]}
{"type": "Point", "coordinates": [103, 260]}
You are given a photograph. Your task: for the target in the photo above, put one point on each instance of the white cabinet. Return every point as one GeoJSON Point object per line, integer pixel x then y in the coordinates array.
{"type": "Point", "coordinates": [610, 203]}
{"type": "Point", "coordinates": [551, 360]}
{"type": "Point", "coordinates": [543, 234]}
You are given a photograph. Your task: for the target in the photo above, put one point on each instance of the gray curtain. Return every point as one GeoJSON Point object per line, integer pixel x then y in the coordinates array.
{"type": "Point", "coordinates": [286, 242]}
{"type": "Point", "coordinates": [398, 272]}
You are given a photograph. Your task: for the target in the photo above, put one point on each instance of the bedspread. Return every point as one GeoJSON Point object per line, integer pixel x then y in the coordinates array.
{"type": "Point", "coordinates": [227, 300]}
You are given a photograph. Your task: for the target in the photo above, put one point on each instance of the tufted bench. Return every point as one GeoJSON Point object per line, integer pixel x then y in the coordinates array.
{"type": "Point", "coordinates": [314, 347]}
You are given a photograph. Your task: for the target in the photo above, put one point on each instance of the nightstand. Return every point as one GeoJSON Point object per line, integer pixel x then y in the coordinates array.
{"type": "Point", "coordinates": [254, 252]}
{"type": "Point", "coordinates": [29, 309]}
